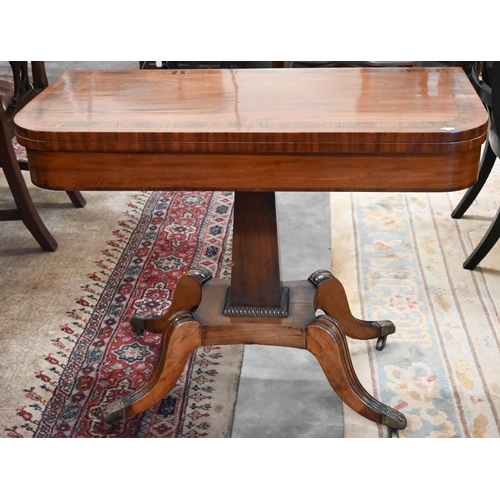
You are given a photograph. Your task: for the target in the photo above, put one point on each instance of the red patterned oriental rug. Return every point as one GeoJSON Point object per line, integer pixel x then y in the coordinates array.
{"type": "Point", "coordinates": [97, 358]}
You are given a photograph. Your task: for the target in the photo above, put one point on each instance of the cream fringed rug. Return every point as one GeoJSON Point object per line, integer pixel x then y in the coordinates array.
{"type": "Point", "coordinates": [66, 345]}
{"type": "Point", "coordinates": [400, 257]}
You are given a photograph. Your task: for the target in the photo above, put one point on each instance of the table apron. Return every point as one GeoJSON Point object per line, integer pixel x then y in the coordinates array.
{"type": "Point", "coordinates": [86, 171]}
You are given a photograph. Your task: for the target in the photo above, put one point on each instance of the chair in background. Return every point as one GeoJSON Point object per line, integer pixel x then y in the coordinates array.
{"type": "Point", "coordinates": [485, 77]}
{"type": "Point", "coordinates": [182, 64]}
{"type": "Point", "coordinates": [14, 95]}
{"type": "Point", "coordinates": [349, 64]}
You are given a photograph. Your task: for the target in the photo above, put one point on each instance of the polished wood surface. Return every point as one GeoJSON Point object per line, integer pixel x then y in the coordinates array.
{"type": "Point", "coordinates": [256, 132]}
{"type": "Point", "coordinates": [218, 172]}
{"type": "Point", "coordinates": [309, 128]}
{"type": "Point", "coordinates": [200, 107]}
{"type": "Point", "coordinates": [218, 329]}
{"type": "Point", "coordinates": [255, 255]}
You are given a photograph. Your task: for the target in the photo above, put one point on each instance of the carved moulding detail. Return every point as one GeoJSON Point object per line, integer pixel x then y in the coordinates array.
{"type": "Point", "coordinates": [256, 311]}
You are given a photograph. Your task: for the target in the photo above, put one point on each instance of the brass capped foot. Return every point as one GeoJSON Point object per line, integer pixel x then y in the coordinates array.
{"type": "Point", "coordinates": [385, 327]}
{"type": "Point", "coordinates": [393, 418]}
{"type": "Point", "coordinates": [114, 411]}
{"type": "Point", "coordinates": [327, 342]}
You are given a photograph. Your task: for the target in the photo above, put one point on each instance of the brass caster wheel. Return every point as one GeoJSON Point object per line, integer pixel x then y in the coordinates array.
{"type": "Point", "coordinates": [386, 328]}
{"type": "Point", "coordinates": [393, 433]}
{"type": "Point", "coordinates": [381, 343]}
{"type": "Point", "coordinates": [113, 413]}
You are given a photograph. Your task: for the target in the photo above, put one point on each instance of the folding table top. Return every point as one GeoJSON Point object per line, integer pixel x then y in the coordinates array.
{"type": "Point", "coordinates": [273, 110]}
{"type": "Point", "coordinates": [387, 129]}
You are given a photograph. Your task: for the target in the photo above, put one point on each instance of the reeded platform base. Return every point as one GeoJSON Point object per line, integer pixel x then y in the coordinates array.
{"type": "Point", "coordinates": [196, 318]}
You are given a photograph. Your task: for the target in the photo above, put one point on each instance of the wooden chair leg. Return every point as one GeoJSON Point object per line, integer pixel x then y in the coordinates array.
{"type": "Point", "coordinates": [26, 210]}
{"type": "Point", "coordinates": [485, 245]}
{"type": "Point", "coordinates": [77, 199]}
{"type": "Point", "coordinates": [487, 161]}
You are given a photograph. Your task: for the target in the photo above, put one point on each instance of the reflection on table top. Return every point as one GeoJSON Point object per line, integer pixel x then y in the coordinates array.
{"type": "Point", "coordinates": [339, 106]}
{"type": "Point", "coordinates": [386, 129]}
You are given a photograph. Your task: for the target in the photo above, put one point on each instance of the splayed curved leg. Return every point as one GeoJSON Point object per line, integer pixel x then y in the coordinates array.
{"type": "Point", "coordinates": [181, 337]}
{"type": "Point", "coordinates": [187, 297]}
{"type": "Point", "coordinates": [488, 159]}
{"type": "Point", "coordinates": [331, 298]}
{"type": "Point", "coordinates": [485, 245]}
{"type": "Point", "coordinates": [327, 342]}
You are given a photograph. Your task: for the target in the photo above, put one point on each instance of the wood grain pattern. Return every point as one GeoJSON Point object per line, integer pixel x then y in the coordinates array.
{"type": "Point", "coordinates": [218, 329]}
{"type": "Point", "coordinates": [206, 172]}
{"type": "Point", "coordinates": [210, 311]}
{"type": "Point", "coordinates": [255, 251]}
{"type": "Point", "coordinates": [384, 105]}
{"type": "Point", "coordinates": [326, 341]}
{"type": "Point", "coordinates": [181, 337]}
{"type": "Point", "coordinates": [331, 298]}
{"type": "Point", "coordinates": [262, 129]}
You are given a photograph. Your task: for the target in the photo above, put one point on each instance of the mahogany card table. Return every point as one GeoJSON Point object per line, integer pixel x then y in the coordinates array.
{"type": "Point", "coordinates": [255, 132]}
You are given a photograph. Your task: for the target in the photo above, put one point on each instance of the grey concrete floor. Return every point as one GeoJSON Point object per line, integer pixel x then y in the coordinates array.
{"type": "Point", "coordinates": [283, 391]}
